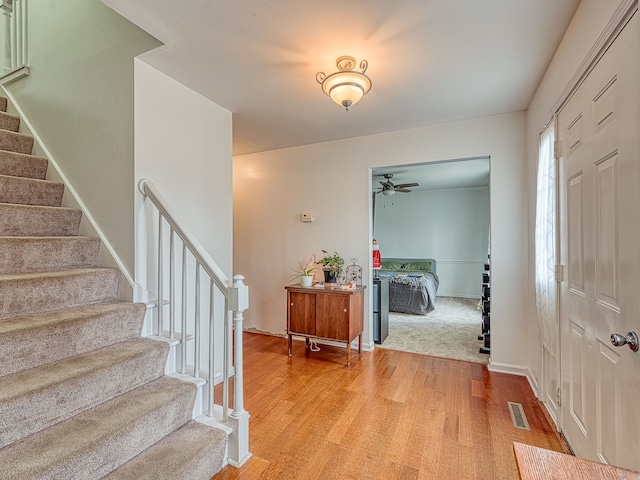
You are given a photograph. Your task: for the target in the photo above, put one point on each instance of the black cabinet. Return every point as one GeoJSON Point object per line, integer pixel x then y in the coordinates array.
{"type": "Point", "coordinates": [380, 309]}
{"type": "Point", "coordinates": [486, 310]}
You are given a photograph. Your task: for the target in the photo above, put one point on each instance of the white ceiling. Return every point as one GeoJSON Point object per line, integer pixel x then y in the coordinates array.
{"type": "Point", "coordinates": [430, 61]}
{"type": "Point", "coordinates": [466, 173]}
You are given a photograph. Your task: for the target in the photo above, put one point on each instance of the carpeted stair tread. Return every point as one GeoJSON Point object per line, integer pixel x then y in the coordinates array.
{"type": "Point", "coordinates": [16, 142]}
{"type": "Point", "coordinates": [65, 333]}
{"type": "Point", "coordinates": [99, 440]}
{"type": "Point", "coordinates": [82, 394]}
{"type": "Point", "coordinates": [41, 254]}
{"type": "Point", "coordinates": [30, 191]}
{"type": "Point", "coordinates": [9, 122]}
{"type": "Point", "coordinates": [21, 165]}
{"type": "Point", "coordinates": [37, 221]}
{"type": "Point", "coordinates": [195, 451]}
{"type": "Point", "coordinates": [43, 396]}
{"type": "Point", "coordinates": [31, 293]}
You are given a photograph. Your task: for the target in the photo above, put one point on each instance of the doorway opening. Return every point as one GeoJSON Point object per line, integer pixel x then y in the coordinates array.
{"type": "Point", "coordinates": [433, 235]}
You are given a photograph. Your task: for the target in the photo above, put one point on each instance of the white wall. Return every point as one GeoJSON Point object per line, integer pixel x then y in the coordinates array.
{"type": "Point", "coordinates": [183, 145]}
{"type": "Point", "coordinates": [332, 180]}
{"type": "Point", "coordinates": [588, 23]}
{"type": "Point", "coordinates": [450, 225]}
{"type": "Point", "coordinates": [79, 100]}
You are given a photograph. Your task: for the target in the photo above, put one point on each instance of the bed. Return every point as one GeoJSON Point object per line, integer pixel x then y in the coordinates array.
{"type": "Point", "coordinates": [413, 284]}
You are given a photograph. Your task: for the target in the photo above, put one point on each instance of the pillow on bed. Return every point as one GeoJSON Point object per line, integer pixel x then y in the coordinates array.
{"type": "Point", "coordinates": [391, 265]}
{"type": "Point", "coordinates": [414, 266]}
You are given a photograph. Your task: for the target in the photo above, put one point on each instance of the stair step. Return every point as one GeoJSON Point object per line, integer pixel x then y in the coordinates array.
{"type": "Point", "coordinates": [16, 142]}
{"type": "Point", "coordinates": [30, 191]}
{"type": "Point", "coordinates": [37, 221]}
{"type": "Point", "coordinates": [41, 254]}
{"type": "Point", "coordinates": [9, 122]}
{"type": "Point", "coordinates": [21, 165]}
{"type": "Point", "coordinates": [31, 293]}
{"type": "Point", "coordinates": [40, 397]}
{"type": "Point", "coordinates": [99, 440]}
{"type": "Point", "coordinates": [66, 333]}
{"type": "Point", "coordinates": [195, 451]}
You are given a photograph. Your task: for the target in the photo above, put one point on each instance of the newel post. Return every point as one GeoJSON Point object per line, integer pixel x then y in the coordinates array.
{"type": "Point", "coordinates": [6, 7]}
{"type": "Point", "coordinates": [239, 417]}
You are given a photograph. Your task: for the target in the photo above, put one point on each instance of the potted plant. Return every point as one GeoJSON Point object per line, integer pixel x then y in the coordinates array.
{"type": "Point", "coordinates": [304, 271]}
{"type": "Point", "coordinates": [332, 265]}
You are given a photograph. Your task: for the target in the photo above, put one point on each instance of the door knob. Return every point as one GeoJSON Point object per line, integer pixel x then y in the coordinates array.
{"type": "Point", "coordinates": [631, 339]}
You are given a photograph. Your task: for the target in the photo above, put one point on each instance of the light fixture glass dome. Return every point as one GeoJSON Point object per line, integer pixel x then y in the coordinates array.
{"type": "Point", "coordinates": [347, 86]}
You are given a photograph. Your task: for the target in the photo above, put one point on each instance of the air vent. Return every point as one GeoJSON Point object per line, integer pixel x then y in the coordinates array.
{"type": "Point", "coordinates": [518, 417]}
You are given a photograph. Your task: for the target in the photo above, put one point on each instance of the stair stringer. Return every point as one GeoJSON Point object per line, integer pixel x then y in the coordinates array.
{"type": "Point", "coordinates": [107, 256]}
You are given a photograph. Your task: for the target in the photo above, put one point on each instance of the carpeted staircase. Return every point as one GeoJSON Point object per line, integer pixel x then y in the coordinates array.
{"type": "Point", "coordinates": [82, 394]}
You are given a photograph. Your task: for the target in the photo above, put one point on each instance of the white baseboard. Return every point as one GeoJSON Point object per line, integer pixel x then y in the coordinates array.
{"type": "Point", "coordinates": [516, 370]}
{"type": "Point", "coordinates": [366, 347]}
{"type": "Point", "coordinates": [461, 295]}
{"type": "Point", "coordinates": [354, 345]}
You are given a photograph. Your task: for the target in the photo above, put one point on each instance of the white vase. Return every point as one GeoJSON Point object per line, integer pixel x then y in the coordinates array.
{"type": "Point", "coordinates": [306, 280]}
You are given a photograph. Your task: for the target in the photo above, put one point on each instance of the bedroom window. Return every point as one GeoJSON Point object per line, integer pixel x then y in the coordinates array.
{"type": "Point", "coordinates": [545, 239]}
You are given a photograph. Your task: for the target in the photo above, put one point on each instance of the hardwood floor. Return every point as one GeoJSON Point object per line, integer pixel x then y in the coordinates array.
{"type": "Point", "coordinates": [392, 415]}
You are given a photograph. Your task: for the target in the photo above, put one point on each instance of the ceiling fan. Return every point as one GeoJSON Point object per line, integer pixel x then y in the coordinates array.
{"type": "Point", "coordinates": [388, 188]}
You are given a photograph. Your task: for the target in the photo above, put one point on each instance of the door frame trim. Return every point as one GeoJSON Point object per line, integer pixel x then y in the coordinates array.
{"type": "Point", "coordinates": [623, 14]}
{"type": "Point", "coordinates": [616, 24]}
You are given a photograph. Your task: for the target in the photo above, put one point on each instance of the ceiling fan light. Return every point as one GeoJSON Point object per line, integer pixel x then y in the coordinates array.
{"type": "Point", "coordinates": [388, 187]}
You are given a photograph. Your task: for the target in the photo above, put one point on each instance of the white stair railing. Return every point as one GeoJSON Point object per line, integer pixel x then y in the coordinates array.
{"type": "Point", "coordinates": [14, 40]}
{"type": "Point", "coordinates": [204, 331]}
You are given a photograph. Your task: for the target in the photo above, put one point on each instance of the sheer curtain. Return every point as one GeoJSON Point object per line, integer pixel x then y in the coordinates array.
{"type": "Point", "coordinates": [545, 241]}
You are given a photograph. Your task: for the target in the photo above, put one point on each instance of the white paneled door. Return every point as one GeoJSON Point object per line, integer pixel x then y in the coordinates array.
{"type": "Point", "coordinates": [599, 133]}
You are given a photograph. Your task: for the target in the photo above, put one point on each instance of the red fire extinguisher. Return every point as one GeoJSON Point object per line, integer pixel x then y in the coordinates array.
{"type": "Point", "coordinates": [376, 255]}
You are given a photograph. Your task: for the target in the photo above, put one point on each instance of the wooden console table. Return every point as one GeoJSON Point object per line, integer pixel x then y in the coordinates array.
{"type": "Point", "coordinates": [325, 313]}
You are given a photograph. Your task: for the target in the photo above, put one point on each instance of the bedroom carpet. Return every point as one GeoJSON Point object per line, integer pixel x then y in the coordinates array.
{"type": "Point", "coordinates": [450, 331]}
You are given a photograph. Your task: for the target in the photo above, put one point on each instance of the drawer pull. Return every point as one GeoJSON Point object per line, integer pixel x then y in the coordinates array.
{"type": "Point", "coordinates": [292, 304]}
{"type": "Point", "coordinates": [345, 310]}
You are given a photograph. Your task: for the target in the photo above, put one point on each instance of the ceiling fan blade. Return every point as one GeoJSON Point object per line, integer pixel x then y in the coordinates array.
{"type": "Point", "coordinates": [404, 185]}
{"type": "Point", "coordinates": [403, 190]}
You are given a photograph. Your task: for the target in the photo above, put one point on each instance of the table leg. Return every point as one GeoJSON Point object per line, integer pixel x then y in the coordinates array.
{"type": "Point", "coordinates": [360, 343]}
{"type": "Point", "coordinates": [290, 352]}
{"type": "Point", "coordinates": [348, 354]}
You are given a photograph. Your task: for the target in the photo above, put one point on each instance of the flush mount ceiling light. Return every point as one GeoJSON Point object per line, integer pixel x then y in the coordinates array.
{"type": "Point", "coordinates": [346, 87]}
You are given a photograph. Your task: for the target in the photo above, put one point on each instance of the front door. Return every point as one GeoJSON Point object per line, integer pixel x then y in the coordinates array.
{"type": "Point", "coordinates": [599, 133]}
